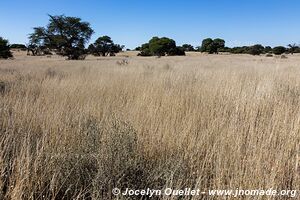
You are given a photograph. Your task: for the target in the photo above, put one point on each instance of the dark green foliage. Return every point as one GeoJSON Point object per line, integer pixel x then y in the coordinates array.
{"type": "Point", "coordinates": [212, 46]}
{"type": "Point", "coordinates": [4, 49]}
{"type": "Point", "coordinates": [198, 48]}
{"type": "Point", "coordinates": [268, 49]}
{"type": "Point", "coordinates": [206, 45]}
{"type": "Point", "coordinates": [65, 35]}
{"type": "Point", "coordinates": [145, 51]}
{"type": "Point", "coordinates": [240, 50]}
{"type": "Point", "coordinates": [219, 43]}
{"type": "Point", "coordinates": [177, 51]}
{"type": "Point", "coordinates": [188, 47]}
{"type": "Point", "coordinates": [34, 49]}
{"type": "Point", "coordinates": [253, 50]}
{"type": "Point", "coordinates": [104, 46]}
{"type": "Point", "coordinates": [293, 48]}
{"type": "Point", "coordinates": [225, 49]}
{"type": "Point", "coordinates": [38, 50]}
{"type": "Point", "coordinates": [256, 49]}
{"type": "Point", "coordinates": [18, 46]}
{"type": "Point", "coordinates": [279, 50]}
{"type": "Point", "coordinates": [161, 47]}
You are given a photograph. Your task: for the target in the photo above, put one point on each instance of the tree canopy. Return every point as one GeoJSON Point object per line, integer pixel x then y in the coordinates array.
{"type": "Point", "coordinates": [212, 46]}
{"type": "Point", "coordinates": [256, 49]}
{"type": "Point", "coordinates": [161, 47]}
{"type": "Point", "coordinates": [18, 46]}
{"type": "Point", "coordinates": [66, 35]}
{"type": "Point", "coordinates": [4, 49]}
{"type": "Point", "coordinates": [259, 49]}
{"type": "Point", "coordinates": [279, 50]}
{"type": "Point", "coordinates": [104, 46]}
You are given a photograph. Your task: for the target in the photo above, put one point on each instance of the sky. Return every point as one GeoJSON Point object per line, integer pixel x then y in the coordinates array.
{"type": "Point", "coordinates": [134, 22]}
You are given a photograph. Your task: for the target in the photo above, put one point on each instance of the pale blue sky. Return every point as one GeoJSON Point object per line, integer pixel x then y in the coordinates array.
{"type": "Point", "coordinates": [133, 22]}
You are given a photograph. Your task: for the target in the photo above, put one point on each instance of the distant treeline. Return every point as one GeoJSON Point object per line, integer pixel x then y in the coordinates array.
{"type": "Point", "coordinates": [68, 36]}
{"type": "Point", "coordinates": [215, 46]}
{"type": "Point", "coordinates": [18, 46]}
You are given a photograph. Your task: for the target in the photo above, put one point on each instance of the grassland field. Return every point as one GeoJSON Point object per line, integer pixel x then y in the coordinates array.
{"type": "Point", "coordinates": [78, 129]}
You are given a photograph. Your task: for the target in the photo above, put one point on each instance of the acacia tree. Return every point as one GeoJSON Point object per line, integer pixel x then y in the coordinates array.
{"type": "Point", "coordinates": [292, 48]}
{"type": "Point", "coordinates": [161, 47]}
{"type": "Point", "coordinates": [104, 46]}
{"type": "Point", "coordinates": [4, 49]}
{"type": "Point", "coordinates": [256, 49]}
{"type": "Point", "coordinates": [212, 46]}
{"type": "Point", "coordinates": [65, 35]}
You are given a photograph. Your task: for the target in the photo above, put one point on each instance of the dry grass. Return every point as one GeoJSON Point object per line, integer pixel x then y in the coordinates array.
{"type": "Point", "coordinates": [77, 129]}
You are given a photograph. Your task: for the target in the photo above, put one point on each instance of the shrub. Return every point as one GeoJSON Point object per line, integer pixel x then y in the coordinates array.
{"type": "Point", "coordinates": [2, 87]}
{"type": "Point", "coordinates": [225, 49]}
{"type": "Point", "coordinates": [256, 50]}
{"type": "Point", "coordinates": [177, 51]}
{"type": "Point", "coordinates": [269, 55]}
{"type": "Point", "coordinates": [188, 47]}
{"type": "Point", "coordinates": [268, 49]}
{"type": "Point", "coordinates": [240, 50]}
{"type": "Point", "coordinates": [4, 49]}
{"type": "Point", "coordinates": [279, 50]}
{"type": "Point", "coordinates": [145, 52]}
{"type": "Point", "coordinates": [18, 46]}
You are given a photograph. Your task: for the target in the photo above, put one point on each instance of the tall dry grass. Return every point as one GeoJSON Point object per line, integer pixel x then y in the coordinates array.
{"type": "Point", "coordinates": [75, 130]}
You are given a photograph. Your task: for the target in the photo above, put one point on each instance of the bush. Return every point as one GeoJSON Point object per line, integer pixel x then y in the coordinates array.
{"type": "Point", "coordinates": [145, 52]}
{"type": "Point", "coordinates": [240, 50]}
{"type": "Point", "coordinates": [18, 46]}
{"type": "Point", "coordinates": [2, 87]}
{"type": "Point", "coordinates": [225, 49]}
{"type": "Point", "coordinates": [188, 47]}
{"type": "Point", "coordinates": [256, 50]}
{"type": "Point", "coordinates": [268, 49]}
{"type": "Point", "coordinates": [269, 55]}
{"type": "Point", "coordinates": [279, 50]}
{"type": "Point", "coordinates": [161, 47]}
{"type": "Point", "coordinates": [4, 49]}
{"type": "Point", "coordinates": [177, 51]}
